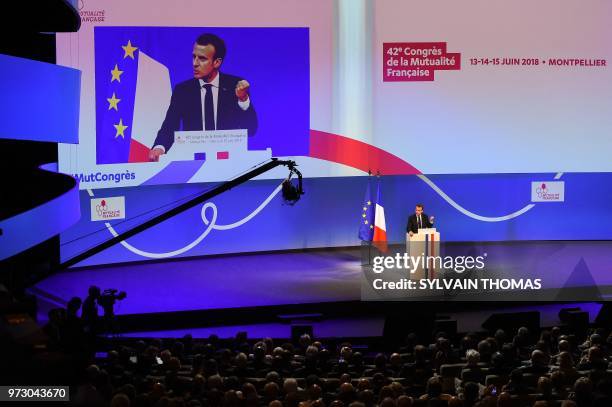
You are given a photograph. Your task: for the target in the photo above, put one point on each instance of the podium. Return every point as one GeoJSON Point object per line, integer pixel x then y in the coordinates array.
{"type": "Point", "coordinates": [422, 246]}
{"type": "Point", "coordinates": [221, 153]}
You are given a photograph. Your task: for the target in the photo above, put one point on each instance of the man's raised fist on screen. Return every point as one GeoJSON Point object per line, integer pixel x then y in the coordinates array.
{"type": "Point", "coordinates": [242, 90]}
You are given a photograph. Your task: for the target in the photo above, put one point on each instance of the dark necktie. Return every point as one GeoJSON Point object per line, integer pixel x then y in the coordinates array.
{"type": "Point", "coordinates": [420, 224]}
{"type": "Point", "coordinates": [209, 111]}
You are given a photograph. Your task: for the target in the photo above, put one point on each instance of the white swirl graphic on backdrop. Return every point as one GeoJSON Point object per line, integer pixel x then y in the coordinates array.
{"type": "Point", "coordinates": [212, 225]}
{"type": "Point", "coordinates": [473, 215]}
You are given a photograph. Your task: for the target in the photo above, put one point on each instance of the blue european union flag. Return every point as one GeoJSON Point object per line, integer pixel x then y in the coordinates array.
{"type": "Point", "coordinates": [366, 226]}
{"type": "Point", "coordinates": [116, 60]}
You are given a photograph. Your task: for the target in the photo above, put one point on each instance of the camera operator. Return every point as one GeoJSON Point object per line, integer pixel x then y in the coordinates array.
{"type": "Point", "coordinates": [107, 301]}
{"type": "Point", "coordinates": [89, 311]}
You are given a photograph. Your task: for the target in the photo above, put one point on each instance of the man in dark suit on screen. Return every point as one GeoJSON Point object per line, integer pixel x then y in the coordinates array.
{"type": "Point", "coordinates": [419, 220]}
{"type": "Point", "coordinates": [212, 100]}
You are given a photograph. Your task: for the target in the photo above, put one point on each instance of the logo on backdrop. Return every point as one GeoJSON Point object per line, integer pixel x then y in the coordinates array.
{"type": "Point", "coordinates": [90, 16]}
{"type": "Point", "coordinates": [547, 191]}
{"type": "Point", "coordinates": [417, 61]}
{"type": "Point", "coordinates": [108, 208]}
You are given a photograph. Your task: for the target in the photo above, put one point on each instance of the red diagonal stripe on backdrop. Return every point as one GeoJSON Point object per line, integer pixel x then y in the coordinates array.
{"type": "Point", "coordinates": [357, 154]}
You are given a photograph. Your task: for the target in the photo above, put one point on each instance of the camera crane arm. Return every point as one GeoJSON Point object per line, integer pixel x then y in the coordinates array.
{"type": "Point", "coordinates": [179, 209]}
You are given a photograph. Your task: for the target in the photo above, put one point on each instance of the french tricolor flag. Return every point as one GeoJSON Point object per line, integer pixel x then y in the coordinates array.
{"type": "Point", "coordinates": [153, 94]}
{"type": "Point", "coordinates": [380, 226]}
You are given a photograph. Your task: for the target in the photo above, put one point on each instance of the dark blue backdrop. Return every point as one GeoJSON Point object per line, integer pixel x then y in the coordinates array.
{"type": "Point", "coordinates": [329, 214]}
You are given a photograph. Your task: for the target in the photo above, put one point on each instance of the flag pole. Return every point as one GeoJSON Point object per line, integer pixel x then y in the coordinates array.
{"type": "Point", "coordinates": [369, 241]}
{"type": "Point", "coordinates": [377, 177]}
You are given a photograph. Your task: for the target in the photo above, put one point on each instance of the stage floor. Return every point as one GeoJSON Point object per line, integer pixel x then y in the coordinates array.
{"type": "Point", "coordinates": [254, 280]}
{"type": "Point", "coordinates": [238, 281]}
{"type": "Point", "coordinates": [569, 271]}
{"type": "Point", "coordinates": [184, 294]}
